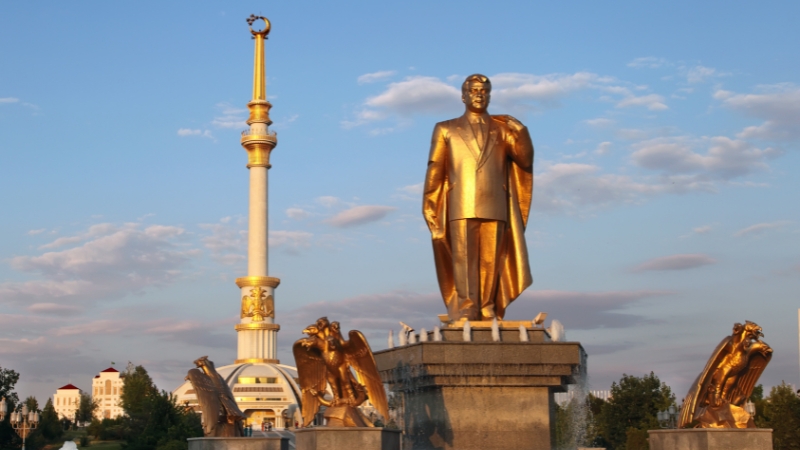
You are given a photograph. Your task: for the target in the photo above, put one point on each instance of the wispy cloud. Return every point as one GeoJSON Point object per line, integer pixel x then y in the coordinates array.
{"type": "Point", "coordinates": [9, 100]}
{"type": "Point", "coordinates": [375, 76]}
{"type": "Point", "coordinates": [111, 261]}
{"type": "Point", "coordinates": [231, 117]}
{"type": "Point", "coordinates": [648, 62]}
{"type": "Point", "coordinates": [675, 262]}
{"type": "Point", "coordinates": [184, 132]}
{"type": "Point", "coordinates": [760, 228]}
{"type": "Point", "coordinates": [359, 215]}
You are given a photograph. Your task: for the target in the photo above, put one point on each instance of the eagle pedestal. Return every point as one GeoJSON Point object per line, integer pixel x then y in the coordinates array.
{"type": "Point", "coordinates": [711, 439]}
{"type": "Point", "coordinates": [481, 394]}
{"type": "Point", "coordinates": [348, 438]}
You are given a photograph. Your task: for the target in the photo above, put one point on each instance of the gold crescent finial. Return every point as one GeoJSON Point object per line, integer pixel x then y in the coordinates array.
{"type": "Point", "coordinates": [252, 19]}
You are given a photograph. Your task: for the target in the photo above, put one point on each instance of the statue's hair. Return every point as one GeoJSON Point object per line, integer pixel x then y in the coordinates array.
{"type": "Point", "coordinates": [475, 77]}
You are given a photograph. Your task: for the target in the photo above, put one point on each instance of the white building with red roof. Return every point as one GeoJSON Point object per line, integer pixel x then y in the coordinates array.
{"type": "Point", "coordinates": [66, 401]}
{"type": "Point", "coordinates": [106, 391]}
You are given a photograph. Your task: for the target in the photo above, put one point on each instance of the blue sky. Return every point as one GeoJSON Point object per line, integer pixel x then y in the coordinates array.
{"type": "Point", "coordinates": [665, 192]}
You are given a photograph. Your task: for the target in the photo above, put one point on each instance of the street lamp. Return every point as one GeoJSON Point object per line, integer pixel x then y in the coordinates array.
{"type": "Point", "coordinates": [668, 418]}
{"type": "Point", "coordinates": [750, 408]}
{"type": "Point", "coordinates": [23, 421]}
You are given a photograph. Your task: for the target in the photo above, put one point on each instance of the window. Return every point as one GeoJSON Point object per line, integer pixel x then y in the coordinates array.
{"type": "Point", "coordinates": [108, 387]}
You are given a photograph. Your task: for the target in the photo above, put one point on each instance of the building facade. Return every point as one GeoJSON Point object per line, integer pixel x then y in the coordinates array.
{"type": "Point", "coordinates": [106, 391]}
{"type": "Point", "coordinates": [66, 401]}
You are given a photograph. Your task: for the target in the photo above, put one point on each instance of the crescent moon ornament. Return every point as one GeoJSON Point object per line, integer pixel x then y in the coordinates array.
{"type": "Point", "coordinates": [265, 31]}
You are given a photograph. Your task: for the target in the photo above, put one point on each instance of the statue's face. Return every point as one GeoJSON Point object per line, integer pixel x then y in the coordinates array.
{"type": "Point", "coordinates": [477, 96]}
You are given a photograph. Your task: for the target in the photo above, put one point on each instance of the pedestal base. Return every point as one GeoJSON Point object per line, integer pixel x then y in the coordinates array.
{"type": "Point", "coordinates": [479, 395]}
{"type": "Point", "coordinates": [239, 443]}
{"type": "Point", "coordinates": [711, 439]}
{"type": "Point", "coordinates": [347, 438]}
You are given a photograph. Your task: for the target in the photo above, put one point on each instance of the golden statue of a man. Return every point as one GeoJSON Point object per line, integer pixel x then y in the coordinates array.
{"type": "Point", "coordinates": [476, 201]}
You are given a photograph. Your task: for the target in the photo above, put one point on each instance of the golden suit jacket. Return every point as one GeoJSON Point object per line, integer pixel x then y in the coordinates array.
{"type": "Point", "coordinates": [495, 182]}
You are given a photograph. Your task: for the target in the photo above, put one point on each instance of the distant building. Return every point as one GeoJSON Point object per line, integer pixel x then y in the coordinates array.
{"type": "Point", "coordinates": [106, 391]}
{"type": "Point", "coordinates": [66, 401]}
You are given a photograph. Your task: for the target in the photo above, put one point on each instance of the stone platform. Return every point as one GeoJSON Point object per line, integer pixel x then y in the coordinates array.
{"type": "Point", "coordinates": [480, 394]}
{"type": "Point", "coordinates": [711, 439]}
{"type": "Point", "coordinates": [347, 438]}
{"type": "Point", "coordinates": [239, 443]}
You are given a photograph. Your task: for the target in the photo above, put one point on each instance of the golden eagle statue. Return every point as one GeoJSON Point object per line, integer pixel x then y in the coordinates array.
{"type": "Point", "coordinates": [325, 358]}
{"type": "Point", "coordinates": [221, 415]}
{"type": "Point", "coordinates": [717, 396]}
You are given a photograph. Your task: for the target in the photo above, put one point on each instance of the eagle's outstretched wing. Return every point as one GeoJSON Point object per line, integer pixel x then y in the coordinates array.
{"type": "Point", "coordinates": [747, 380]}
{"type": "Point", "coordinates": [228, 401]}
{"type": "Point", "coordinates": [311, 371]}
{"type": "Point", "coordinates": [359, 355]}
{"type": "Point", "coordinates": [698, 391]}
{"type": "Point", "coordinates": [208, 397]}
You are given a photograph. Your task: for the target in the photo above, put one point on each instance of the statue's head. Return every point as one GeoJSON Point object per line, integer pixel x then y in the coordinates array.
{"type": "Point", "coordinates": [476, 92]}
{"type": "Point", "coordinates": [322, 323]}
{"type": "Point", "coordinates": [311, 330]}
{"type": "Point", "coordinates": [750, 331]}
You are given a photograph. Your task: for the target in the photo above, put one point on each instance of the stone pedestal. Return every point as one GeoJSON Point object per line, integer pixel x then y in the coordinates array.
{"type": "Point", "coordinates": [711, 439]}
{"type": "Point", "coordinates": [239, 443]}
{"type": "Point", "coordinates": [347, 438]}
{"type": "Point", "coordinates": [480, 394]}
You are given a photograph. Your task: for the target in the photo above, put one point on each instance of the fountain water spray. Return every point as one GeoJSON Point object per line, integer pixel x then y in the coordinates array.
{"type": "Point", "coordinates": [495, 330]}
{"type": "Point", "coordinates": [523, 334]}
{"type": "Point", "coordinates": [391, 338]}
{"type": "Point", "coordinates": [467, 331]}
{"type": "Point", "coordinates": [437, 334]}
{"type": "Point", "coordinates": [412, 338]}
{"type": "Point", "coordinates": [423, 335]}
{"type": "Point", "coordinates": [557, 331]}
{"type": "Point", "coordinates": [402, 338]}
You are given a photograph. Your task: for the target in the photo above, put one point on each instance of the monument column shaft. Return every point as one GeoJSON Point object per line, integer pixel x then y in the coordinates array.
{"type": "Point", "coordinates": [257, 238]}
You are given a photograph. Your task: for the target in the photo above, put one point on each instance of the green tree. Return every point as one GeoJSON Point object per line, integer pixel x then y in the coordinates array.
{"type": "Point", "coordinates": [32, 403]}
{"type": "Point", "coordinates": [8, 380]}
{"type": "Point", "coordinates": [153, 419]}
{"type": "Point", "coordinates": [782, 414]}
{"type": "Point", "coordinates": [635, 402]}
{"type": "Point", "coordinates": [49, 425]}
{"type": "Point", "coordinates": [86, 408]}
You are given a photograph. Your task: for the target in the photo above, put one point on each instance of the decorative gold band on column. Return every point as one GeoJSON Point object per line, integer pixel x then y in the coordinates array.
{"type": "Point", "coordinates": [257, 326]}
{"type": "Point", "coordinates": [258, 281]}
{"type": "Point", "coordinates": [259, 112]}
{"type": "Point", "coordinates": [259, 147]}
{"type": "Point", "coordinates": [256, 361]}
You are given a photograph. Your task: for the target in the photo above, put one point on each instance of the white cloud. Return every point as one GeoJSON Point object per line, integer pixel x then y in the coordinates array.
{"type": "Point", "coordinates": [412, 189]}
{"type": "Point", "coordinates": [698, 74]}
{"type": "Point", "coordinates": [724, 158]}
{"type": "Point", "coordinates": [375, 76]}
{"type": "Point", "coordinates": [297, 213]}
{"type": "Point", "coordinates": [603, 148]}
{"type": "Point", "coordinates": [290, 241]}
{"type": "Point", "coordinates": [55, 309]}
{"type": "Point", "coordinates": [359, 215]}
{"type": "Point", "coordinates": [8, 100]}
{"type": "Point", "coordinates": [600, 122]}
{"type": "Point", "coordinates": [648, 62]}
{"type": "Point", "coordinates": [35, 232]}
{"type": "Point", "coordinates": [515, 93]}
{"type": "Point", "coordinates": [227, 242]}
{"type": "Point", "coordinates": [183, 132]}
{"type": "Point", "coordinates": [778, 105]}
{"type": "Point", "coordinates": [675, 262]}
{"type": "Point", "coordinates": [760, 228]}
{"type": "Point", "coordinates": [653, 102]}
{"type": "Point", "coordinates": [231, 117]}
{"type": "Point", "coordinates": [703, 230]}
{"type": "Point", "coordinates": [114, 261]}
{"type": "Point", "coordinates": [328, 201]}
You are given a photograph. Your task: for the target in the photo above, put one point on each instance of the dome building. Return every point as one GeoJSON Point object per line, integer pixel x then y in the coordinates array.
{"type": "Point", "coordinates": [265, 390]}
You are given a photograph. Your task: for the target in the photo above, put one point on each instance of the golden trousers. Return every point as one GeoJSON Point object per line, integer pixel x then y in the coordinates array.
{"type": "Point", "coordinates": [476, 245]}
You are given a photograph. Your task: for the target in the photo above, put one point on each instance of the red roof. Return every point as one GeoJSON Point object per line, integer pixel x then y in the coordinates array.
{"type": "Point", "coordinates": [97, 376]}
{"type": "Point", "coordinates": [68, 386]}
{"type": "Point", "coordinates": [110, 369]}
